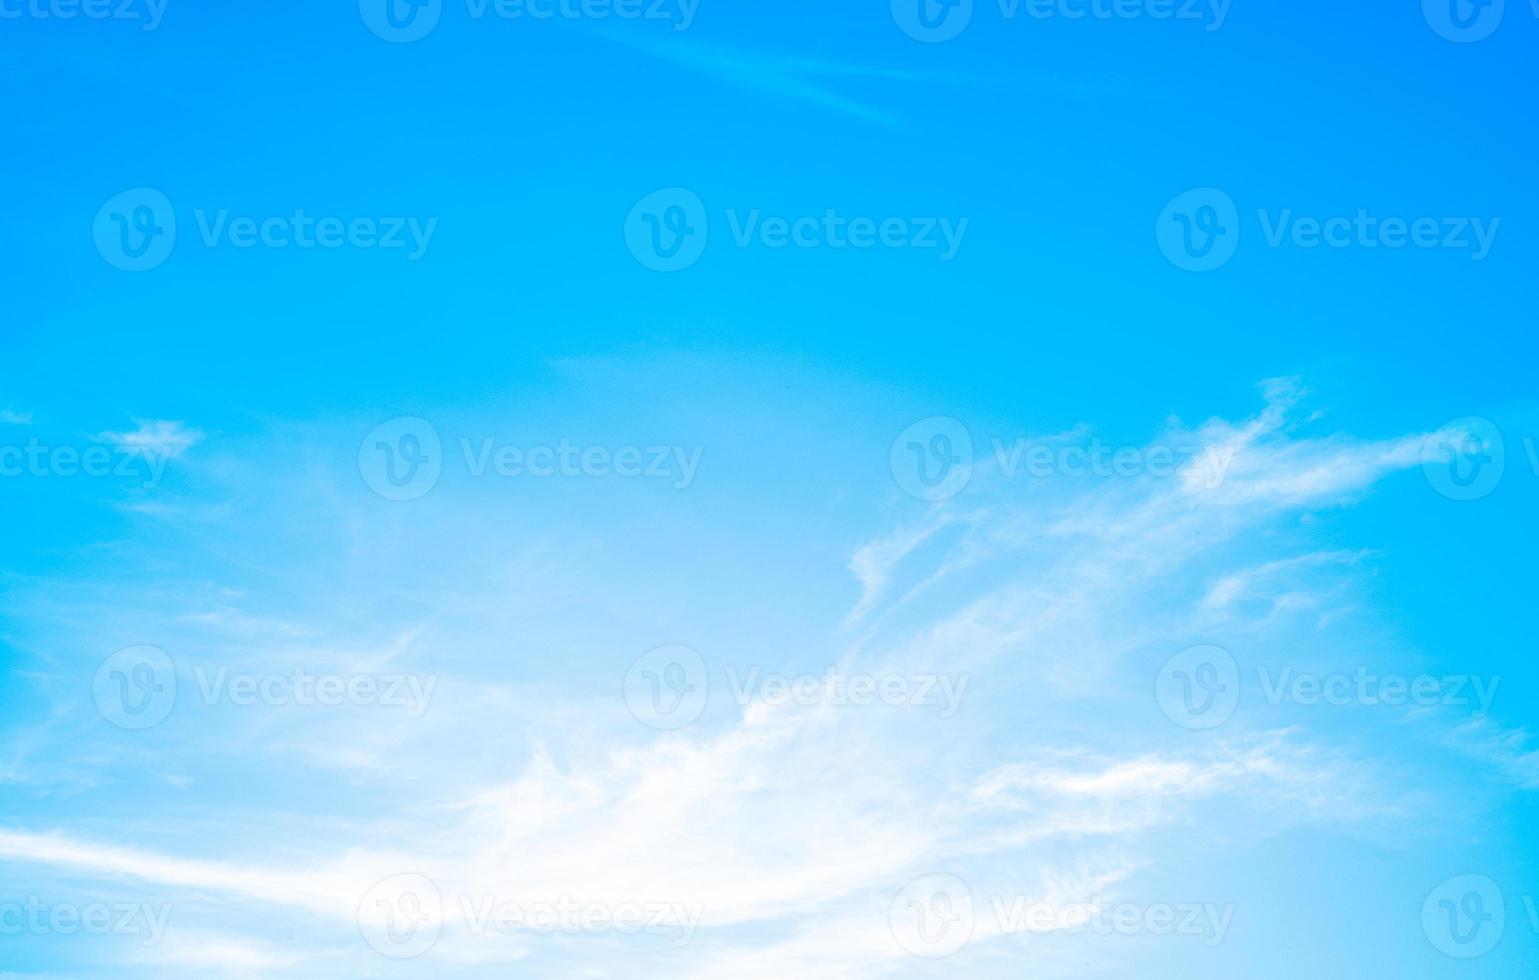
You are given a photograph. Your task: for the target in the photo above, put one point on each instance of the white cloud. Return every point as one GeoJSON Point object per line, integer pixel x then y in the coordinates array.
{"type": "Point", "coordinates": [792, 827]}
{"type": "Point", "coordinates": [873, 563]}
{"type": "Point", "coordinates": [221, 953]}
{"type": "Point", "coordinates": [157, 439]}
{"type": "Point", "coordinates": [1511, 751]}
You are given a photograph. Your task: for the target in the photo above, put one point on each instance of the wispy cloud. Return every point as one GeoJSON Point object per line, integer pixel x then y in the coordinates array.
{"type": "Point", "coordinates": [157, 439]}
{"type": "Point", "coordinates": [1512, 752]}
{"type": "Point", "coordinates": [790, 826]}
{"type": "Point", "coordinates": [811, 80]}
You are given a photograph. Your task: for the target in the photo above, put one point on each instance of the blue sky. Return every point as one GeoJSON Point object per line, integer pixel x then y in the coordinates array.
{"type": "Point", "coordinates": [749, 490]}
